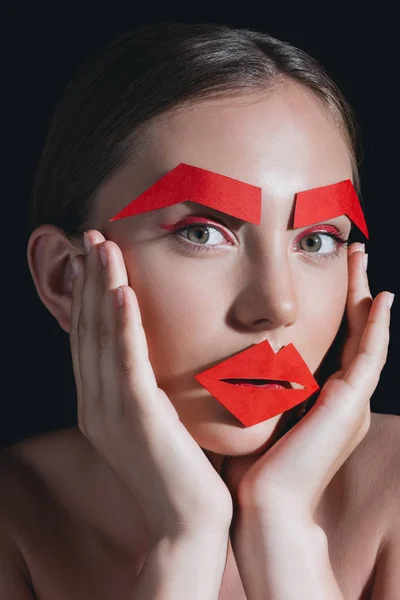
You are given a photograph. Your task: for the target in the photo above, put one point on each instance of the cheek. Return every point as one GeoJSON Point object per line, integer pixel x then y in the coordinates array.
{"type": "Point", "coordinates": [322, 303]}
{"type": "Point", "coordinates": [181, 313]}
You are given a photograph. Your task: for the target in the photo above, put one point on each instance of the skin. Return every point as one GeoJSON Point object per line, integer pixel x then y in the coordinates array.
{"type": "Point", "coordinates": [283, 144]}
{"type": "Point", "coordinates": [259, 288]}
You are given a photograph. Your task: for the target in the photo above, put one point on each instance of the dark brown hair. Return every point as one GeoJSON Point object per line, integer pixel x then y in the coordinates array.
{"type": "Point", "coordinates": [99, 123]}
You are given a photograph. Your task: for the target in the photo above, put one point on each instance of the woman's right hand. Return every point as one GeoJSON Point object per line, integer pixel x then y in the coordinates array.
{"type": "Point", "coordinates": [124, 414]}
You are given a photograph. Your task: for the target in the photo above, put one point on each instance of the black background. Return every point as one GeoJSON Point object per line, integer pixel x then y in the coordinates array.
{"type": "Point", "coordinates": [45, 44]}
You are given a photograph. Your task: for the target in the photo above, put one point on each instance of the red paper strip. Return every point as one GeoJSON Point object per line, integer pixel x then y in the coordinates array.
{"type": "Point", "coordinates": [189, 183]}
{"type": "Point", "coordinates": [328, 202]}
{"type": "Point", "coordinates": [251, 405]}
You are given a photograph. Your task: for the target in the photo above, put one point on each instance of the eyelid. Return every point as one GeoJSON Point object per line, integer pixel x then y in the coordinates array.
{"type": "Point", "coordinates": [193, 220]}
{"type": "Point", "coordinates": [320, 228]}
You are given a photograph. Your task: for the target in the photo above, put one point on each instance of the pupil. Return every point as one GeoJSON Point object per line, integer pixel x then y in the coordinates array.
{"type": "Point", "coordinates": [312, 242]}
{"type": "Point", "coordinates": [199, 233]}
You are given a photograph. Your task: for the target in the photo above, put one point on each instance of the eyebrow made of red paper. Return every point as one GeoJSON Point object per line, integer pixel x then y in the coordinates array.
{"type": "Point", "coordinates": [241, 200]}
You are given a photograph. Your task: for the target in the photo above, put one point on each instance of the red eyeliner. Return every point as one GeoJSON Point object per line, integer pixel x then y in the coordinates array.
{"type": "Point", "coordinates": [322, 229]}
{"type": "Point", "coordinates": [192, 220]}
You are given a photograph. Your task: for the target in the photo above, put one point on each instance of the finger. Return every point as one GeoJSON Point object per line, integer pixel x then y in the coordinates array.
{"type": "Point", "coordinates": [113, 275]}
{"type": "Point", "coordinates": [364, 371]}
{"type": "Point", "coordinates": [359, 295]}
{"type": "Point", "coordinates": [88, 334]}
{"type": "Point", "coordinates": [348, 398]}
{"type": "Point", "coordinates": [138, 380]}
{"type": "Point", "coordinates": [355, 247]}
{"type": "Point", "coordinates": [317, 446]}
{"type": "Point", "coordinates": [77, 284]}
{"type": "Point", "coordinates": [124, 358]}
{"type": "Point", "coordinates": [359, 301]}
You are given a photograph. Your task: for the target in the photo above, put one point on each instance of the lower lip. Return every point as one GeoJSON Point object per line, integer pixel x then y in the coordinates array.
{"type": "Point", "coordinates": [263, 386]}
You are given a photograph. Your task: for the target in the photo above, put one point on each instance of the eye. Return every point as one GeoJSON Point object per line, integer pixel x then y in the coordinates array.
{"type": "Point", "coordinates": [201, 234]}
{"type": "Point", "coordinates": [324, 241]}
{"type": "Point", "coordinates": [313, 242]}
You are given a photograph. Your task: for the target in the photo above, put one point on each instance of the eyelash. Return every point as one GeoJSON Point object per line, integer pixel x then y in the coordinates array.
{"type": "Point", "coordinates": [339, 238]}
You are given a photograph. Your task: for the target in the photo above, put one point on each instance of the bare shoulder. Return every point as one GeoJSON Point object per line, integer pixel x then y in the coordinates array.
{"type": "Point", "coordinates": [385, 443]}
{"type": "Point", "coordinates": [14, 579]}
{"type": "Point", "coordinates": [21, 488]}
{"type": "Point", "coordinates": [24, 496]}
{"type": "Point", "coordinates": [30, 475]}
{"type": "Point", "coordinates": [363, 495]}
{"type": "Point", "coordinates": [376, 465]}
{"type": "Point", "coordinates": [14, 575]}
{"type": "Point", "coordinates": [382, 451]}
{"type": "Point", "coordinates": [27, 508]}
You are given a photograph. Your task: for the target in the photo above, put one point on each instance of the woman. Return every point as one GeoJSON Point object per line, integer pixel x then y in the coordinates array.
{"type": "Point", "coordinates": [163, 490]}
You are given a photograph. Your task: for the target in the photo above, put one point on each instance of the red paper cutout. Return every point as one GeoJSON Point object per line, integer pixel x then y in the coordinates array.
{"type": "Point", "coordinates": [186, 182]}
{"type": "Point", "coordinates": [251, 405]}
{"type": "Point", "coordinates": [328, 202]}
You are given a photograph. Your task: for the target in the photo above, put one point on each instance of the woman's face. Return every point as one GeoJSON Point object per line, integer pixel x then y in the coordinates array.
{"type": "Point", "coordinates": [258, 281]}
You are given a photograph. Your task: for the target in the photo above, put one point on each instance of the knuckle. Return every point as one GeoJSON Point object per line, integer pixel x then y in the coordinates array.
{"type": "Point", "coordinates": [112, 246]}
{"type": "Point", "coordinates": [124, 361]}
{"type": "Point", "coordinates": [104, 334]}
{"type": "Point", "coordinates": [339, 400]}
{"type": "Point", "coordinates": [124, 356]}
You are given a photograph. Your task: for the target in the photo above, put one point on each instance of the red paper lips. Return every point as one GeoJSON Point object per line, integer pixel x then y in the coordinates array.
{"type": "Point", "coordinates": [252, 405]}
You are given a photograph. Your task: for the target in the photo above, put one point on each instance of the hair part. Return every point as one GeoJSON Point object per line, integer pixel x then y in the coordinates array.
{"type": "Point", "coordinates": [100, 122]}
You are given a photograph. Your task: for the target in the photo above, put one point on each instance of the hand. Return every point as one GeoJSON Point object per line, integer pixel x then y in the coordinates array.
{"type": "Point", "coordinates": [295, 471]}
{"type": "Point", "coordinates": [124, 414]}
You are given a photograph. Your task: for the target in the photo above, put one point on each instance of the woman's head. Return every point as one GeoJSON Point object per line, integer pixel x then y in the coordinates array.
{"type": "Point", "coordinates": [235, 102]}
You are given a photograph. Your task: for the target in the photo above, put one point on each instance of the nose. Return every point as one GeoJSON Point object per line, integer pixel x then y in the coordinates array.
{"type": "Point", "coordinates": [268, 299]}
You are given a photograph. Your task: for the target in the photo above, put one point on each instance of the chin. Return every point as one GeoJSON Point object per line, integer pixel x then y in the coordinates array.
{"type": "Point", "coordinates": [229, 437]}
{"type": "Point", "coordinates": [217, 430]}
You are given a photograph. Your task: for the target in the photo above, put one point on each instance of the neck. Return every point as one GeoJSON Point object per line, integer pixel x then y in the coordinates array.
{"type": "Point", "coordinates": [215, 459]}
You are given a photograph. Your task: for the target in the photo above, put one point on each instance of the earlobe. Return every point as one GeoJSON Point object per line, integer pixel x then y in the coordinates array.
{"type": "Point", "coordinates": [49, 257]}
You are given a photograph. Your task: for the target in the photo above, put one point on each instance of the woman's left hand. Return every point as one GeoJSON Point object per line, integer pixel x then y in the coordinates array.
{"type": "Point", "coordinates": [300, 465]}
{"type": "Point", "coordinates": [275, 494]}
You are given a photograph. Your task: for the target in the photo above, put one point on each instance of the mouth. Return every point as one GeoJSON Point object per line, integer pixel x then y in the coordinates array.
{"type": "Point", "coordinates": [271, 384]}
{"type": "Point", "coordinates": [282, 380]}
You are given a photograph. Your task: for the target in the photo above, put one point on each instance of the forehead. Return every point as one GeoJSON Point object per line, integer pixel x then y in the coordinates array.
{"type": "Point", "coordinates": [188, 183]}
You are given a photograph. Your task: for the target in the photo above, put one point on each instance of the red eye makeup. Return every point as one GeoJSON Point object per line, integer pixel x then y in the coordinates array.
{"type": "Point", "coordinates": [193, 221]}
{"type": "Point", "coordinates": [196, 246]}
{"type": "Point", "coordinates": [326, 238]}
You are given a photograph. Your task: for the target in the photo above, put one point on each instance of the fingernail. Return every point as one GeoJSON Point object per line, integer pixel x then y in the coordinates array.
{"type": "Point", "coordinates": [390, 299]}
{"type": "Point", "coordinates": [365, 261]}
{"type": "Point", "coordinates": [120, 296]}
{"type": "Point", "coordinates": [362, 247]}
{"type": "Point", "coordinates": [103, 256]}
{"type": "Point", "coordinates": [86, 243]}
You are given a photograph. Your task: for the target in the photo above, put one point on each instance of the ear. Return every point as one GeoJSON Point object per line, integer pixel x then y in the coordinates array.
{"type": "Point", "coordinates": [49, 257]}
